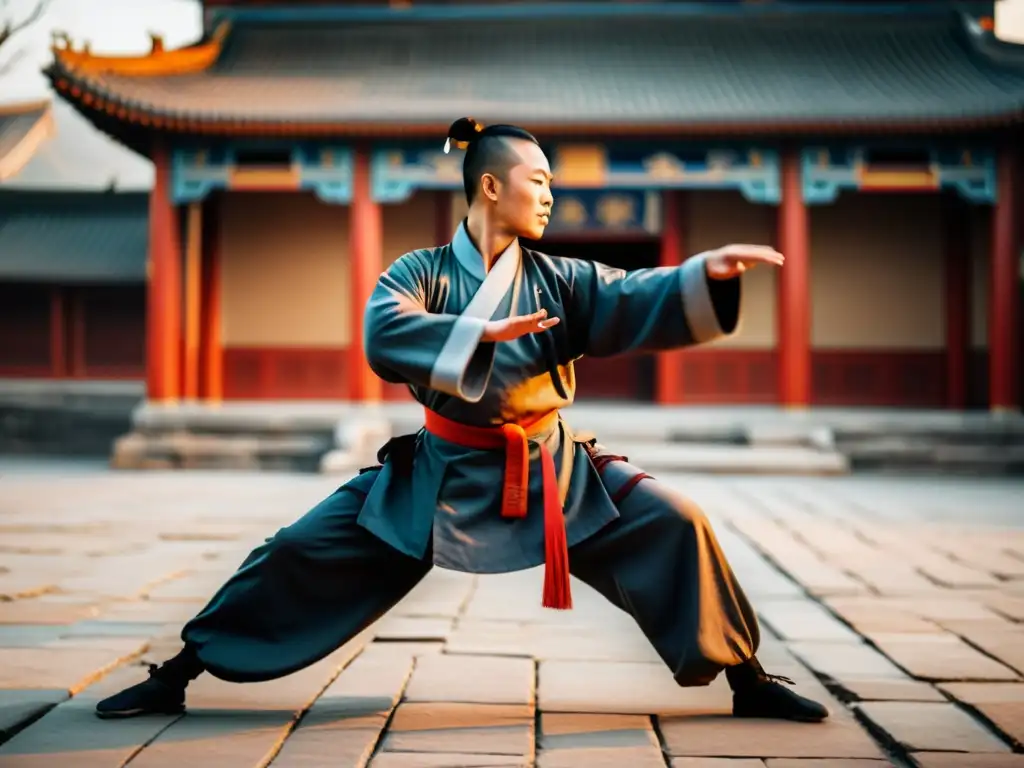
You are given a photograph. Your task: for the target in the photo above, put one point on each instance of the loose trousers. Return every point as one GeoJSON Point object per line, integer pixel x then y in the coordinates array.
{"type": "Point", "coordinates": [320, 581]}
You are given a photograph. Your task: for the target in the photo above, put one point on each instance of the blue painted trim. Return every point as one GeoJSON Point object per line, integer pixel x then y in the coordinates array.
{"type": "Point", "coordinates": [544, 11]}
{"type": "Point", "coordinates": [192, 183]}
{"type": "Point", "coordinates": [976, 183]}
{"type": "Point", "coordinates": [399, 170]}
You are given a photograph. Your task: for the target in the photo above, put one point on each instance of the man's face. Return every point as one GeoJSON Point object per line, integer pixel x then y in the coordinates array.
{"type": "Point", "coordinates": [524, 197]}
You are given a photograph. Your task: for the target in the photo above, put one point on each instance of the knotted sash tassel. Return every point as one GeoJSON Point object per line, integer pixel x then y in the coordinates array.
{"type": "Point", "coordinates": [514, 440]}
{"type": "Point", "coordinates": [515, 494]}
{"type": "Point", "coordinates": [557, 589]}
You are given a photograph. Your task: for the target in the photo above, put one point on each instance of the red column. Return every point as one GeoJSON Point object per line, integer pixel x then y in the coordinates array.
{"type": "Point", "coordinates": [193, 309]}
{"type": "Point", "coordinates": [1004, 288]}
{"type": "Point", "coordinates": [958, 300]}
{"type": "Point", "coordinates": [794, 300]}
{"type": "Point", "coordinates": [58, 324]}
{"type": "Point", "coordinates": [668, 381]}
{"type": "Point", "coordinates": [366, 257]}
{"type": "Point", "coordinates": [163, 301]}
{"type": "Point", "coordinates": [211, 352]}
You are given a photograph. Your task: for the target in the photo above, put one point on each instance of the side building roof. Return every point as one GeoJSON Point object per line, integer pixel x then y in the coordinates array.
{"type": "Point", "coordinates": [761, 71]}
{"type": "Point", "coordinates": [84, 237]}
{"type": "Point", "coordinates": [23, 129]}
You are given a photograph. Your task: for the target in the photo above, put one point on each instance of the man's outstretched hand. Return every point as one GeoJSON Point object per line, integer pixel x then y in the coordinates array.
{"type": "Point", "coordinates": [514, 327]}
{"type": "Point", "coordinates": [732, 260]}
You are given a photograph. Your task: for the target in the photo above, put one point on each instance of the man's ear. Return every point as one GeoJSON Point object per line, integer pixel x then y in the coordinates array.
{"type": "Point", "coordinates": [490, 185]}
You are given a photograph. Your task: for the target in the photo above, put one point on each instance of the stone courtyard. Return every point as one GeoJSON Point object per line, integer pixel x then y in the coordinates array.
{"type": "Point", "coordinates": [898, 601]}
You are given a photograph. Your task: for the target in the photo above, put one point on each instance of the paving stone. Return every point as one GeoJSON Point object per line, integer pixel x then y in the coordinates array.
{"type": "Point", "coordinates": [716, 762]}
{"type": "Point", "coordinates": [125, 647]}
{"type": "Point", "coordinates": [443, 760]}
{"type": "Point", "coordinates": [941, 657]}
{"type": "Point", "coordinates": [241, 725]}
{"type": "Point", "coordinates": [68, 669]}
{"type": "Point", "coordinates": [440, 593]}
{"type": "Point", "coordinates": [804, 620]}
{"type": "Point", "coordinates": [15, 586]}
{"type": "Point", "coordinates": [18, 706]}
{"type": "Point", "coordinates": [624, 642]}
{"type": "Point", "coordinates": [148, 611]}
{"type": "Point", "coordinates": [946, 608]}
{"type": "Point", "coordinates": [892, 690]}
{"type": "Point", "coordinates": [893, 578]}
{"type": "Point", "coordinates": [480, 679]}
{"type": "Point", "coordinates": [412, 628]}
{"type": "Point", "coordinates": [602, 758]}
{"type": "Point", "coordinates": [187, 589]}
{"type": "Point", "coordinates": [869, 614]}
{"type": "Point", "coordinates": [985, 693]}
{"type": "Point", "coordinates": [70, 736]}
{"type": "Point", "coordinates": [28, 635]}
{"type": "Point", "coordinates": [36, 612]}
{"type": "Point", "coordinates": [575, 731]}
{"type": "Point", "coordinates": [402, 650]}
{"type": "Point", "coordinates": [1006, 605]}
{"type": "Point", "coordinates": [845, 661]}
{"type": "Point", "coordinates": [925, 726]}
{"type": "Point", "coordinates": [955, 760]}
{"type": "Point", "coordinates": [625, 688]}
{"type": "Point", "coordinates": [715, 736]}
{"type": "Point", "coordinates": [954, 575]}
{"type": "Point", "coordinates": [496, 729]}
{"type": "Point", "coordinates": [786, 762]}
{"type": "Point", "coordinates": [113, 629]}
{"type": "Point", "coordinates": [347, 719]}
{"type": "Point", "coordinates": [1007, 716]}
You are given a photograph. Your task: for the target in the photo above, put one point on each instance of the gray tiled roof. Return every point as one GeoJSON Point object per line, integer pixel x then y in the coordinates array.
{"type": "Point", "coordinates": [69, 239]}
{"type": "Point", "coordinates": [687, 70]}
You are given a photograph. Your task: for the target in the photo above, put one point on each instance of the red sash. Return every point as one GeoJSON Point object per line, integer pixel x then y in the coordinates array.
{"type": "Point", "coordinates": [513, 438]}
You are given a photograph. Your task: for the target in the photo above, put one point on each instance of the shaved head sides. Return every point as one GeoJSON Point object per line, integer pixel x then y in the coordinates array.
{"type": "Point", "coordinates": [488, 150]}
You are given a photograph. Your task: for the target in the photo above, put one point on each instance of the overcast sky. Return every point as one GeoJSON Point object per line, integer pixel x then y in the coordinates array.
{"type": "Point", "coordinates": [123, 27]}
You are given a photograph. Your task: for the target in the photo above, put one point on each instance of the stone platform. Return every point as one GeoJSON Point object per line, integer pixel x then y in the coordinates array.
{"type": "Point", "coordinates": [339, 438]}
{"type": "Point", "coordinates": [898, 603]}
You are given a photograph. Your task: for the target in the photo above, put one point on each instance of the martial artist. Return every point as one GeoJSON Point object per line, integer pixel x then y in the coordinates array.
{"type": "Point", "coordinates": [484, 332]}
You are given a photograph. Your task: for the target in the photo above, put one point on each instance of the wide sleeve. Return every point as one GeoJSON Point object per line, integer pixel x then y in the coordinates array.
{"type": "Point", "coordinates": [407, 344]}
{"type": "Point", "coordinates": [647, 310]}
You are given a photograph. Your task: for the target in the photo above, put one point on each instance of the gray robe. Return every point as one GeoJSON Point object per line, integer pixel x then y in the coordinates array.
{"type": "Point", "coordinates": [329, 575]}
{"type": "Point", "coordinates": [415, 334]}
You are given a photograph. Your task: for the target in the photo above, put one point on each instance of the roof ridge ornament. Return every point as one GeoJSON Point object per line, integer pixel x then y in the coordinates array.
{"type": "Point", "coordinates": [159, 61]}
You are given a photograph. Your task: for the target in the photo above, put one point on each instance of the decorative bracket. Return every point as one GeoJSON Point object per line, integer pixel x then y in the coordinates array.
{"type": "Point", "coordinates": [399, 171]}
{"type": "Point", "coordinates": [828, 170]}
{"type": "Point", "coordinates": [324, 169]}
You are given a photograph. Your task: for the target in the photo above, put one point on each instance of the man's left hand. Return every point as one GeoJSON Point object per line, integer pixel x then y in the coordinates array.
{"type": "Point", "coordinates": [730, 261]}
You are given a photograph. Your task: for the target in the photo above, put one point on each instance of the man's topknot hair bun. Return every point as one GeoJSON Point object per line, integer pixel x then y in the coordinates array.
{"type": "Point", "coordinates": [463, 132]}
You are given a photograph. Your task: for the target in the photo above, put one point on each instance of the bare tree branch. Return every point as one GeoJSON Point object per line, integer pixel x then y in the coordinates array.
{"type": "Point", "coordinates": [11, 28]}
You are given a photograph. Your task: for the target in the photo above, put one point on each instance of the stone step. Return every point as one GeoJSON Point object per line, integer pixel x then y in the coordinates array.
{"type": "Point", "coordinates": [294, 452]}
{"type": "Point", "coordinates": [895, 453]}
{"type": "Point", "coordinates": [724, 459]}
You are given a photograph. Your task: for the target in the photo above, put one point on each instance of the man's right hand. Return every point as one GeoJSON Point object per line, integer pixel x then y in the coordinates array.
{"type": "Point", "coordinates": [514, 327]}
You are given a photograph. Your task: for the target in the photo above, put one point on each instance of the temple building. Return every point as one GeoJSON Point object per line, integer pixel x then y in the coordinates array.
{"type": "Point", "coordinates": [298, 150]}
{"type": "Point", "coordinates": [72, 266]}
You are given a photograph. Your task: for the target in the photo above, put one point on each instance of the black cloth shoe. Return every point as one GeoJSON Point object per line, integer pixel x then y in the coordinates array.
{"type": "Point", "coordinates": [766, 698]}
{"type": "Point", "coordinates": [152, 696]}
